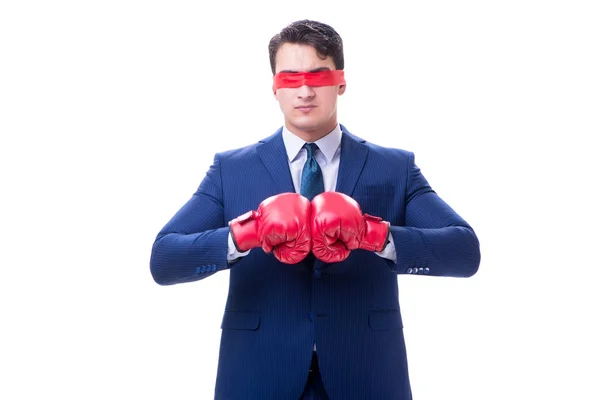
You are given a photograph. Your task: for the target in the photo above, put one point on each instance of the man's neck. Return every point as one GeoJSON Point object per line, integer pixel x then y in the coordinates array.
{"type": "Point", "coordinates": [311, 135]}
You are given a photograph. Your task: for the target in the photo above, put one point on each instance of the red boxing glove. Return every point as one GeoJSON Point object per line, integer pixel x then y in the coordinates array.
{"type": "Point", "coordinates": [280, 224]}
{"type": "Point", "coordinates": [338, 226]}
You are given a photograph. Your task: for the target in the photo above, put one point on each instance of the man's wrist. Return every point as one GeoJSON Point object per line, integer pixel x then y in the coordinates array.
{"type": "Point", "coordinates": [376, 236]}
{"type": "Point", "coordinates": [233, 254]}
{"type": "Point", "coordinates": [244, 231]}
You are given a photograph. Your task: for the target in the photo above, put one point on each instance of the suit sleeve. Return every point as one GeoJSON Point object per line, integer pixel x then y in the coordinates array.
{"type": "Point", "coordinates": [193, 244]}
{"type": "Point", "coordinates": [435, 240]}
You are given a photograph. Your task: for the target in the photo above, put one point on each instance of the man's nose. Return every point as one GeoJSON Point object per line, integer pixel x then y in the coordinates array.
{"type": "Point", "coordinates": [305, 92]}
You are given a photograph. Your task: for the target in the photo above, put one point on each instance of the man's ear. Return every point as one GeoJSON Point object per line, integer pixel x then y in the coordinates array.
{"type": "Point", "coordinates": [342, 89]}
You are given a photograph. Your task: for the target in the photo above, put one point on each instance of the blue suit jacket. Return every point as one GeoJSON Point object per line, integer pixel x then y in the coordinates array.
{"type": "Point", "coordinates": [275, 312]}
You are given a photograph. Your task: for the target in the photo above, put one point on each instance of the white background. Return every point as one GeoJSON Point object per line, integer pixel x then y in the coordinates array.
{"type": "Point", "coordinates": [111, 112]}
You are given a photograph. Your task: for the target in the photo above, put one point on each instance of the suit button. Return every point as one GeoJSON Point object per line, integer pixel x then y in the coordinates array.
{"type": "Point", "coordinates": [420, 270]}
{"type": "Point", "coordinates": [197, 270]}
{"type": "Point", "coordinates": [311, 316]}
{"type": "Point", "coordinates": [316, 274]}
{"type": "Point", "coordinates": [409, 271]}
{"type": "Point", "coordinates": [426, 270]}
{"type": "Point", "coordinates": [203, 269]}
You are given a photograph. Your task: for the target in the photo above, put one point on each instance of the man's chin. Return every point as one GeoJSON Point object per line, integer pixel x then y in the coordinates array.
{"type": "Point", "coordinates": [306, 124]}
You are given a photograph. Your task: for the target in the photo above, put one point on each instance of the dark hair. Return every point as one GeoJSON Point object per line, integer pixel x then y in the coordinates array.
{"type": "Point", "coordinates": [321, 36]}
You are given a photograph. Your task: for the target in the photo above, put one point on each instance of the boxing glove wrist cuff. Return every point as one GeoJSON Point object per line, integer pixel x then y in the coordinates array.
{"type": "Point", "coordinates": [376, 234]}
{"type": "Point", "coordinates": [244, 231]}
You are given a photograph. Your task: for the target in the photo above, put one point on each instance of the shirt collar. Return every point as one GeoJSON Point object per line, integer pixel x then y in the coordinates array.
{"type": "Point", "coordinates": [328, 144]}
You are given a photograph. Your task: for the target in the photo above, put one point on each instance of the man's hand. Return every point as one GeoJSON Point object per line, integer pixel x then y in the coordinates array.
{"type": "Point", "coordinates": [281, 224]}
{"type": "Point", "coordinates": [339, 226]}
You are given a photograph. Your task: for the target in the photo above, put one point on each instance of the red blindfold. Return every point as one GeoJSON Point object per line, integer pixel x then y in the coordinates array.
{"type": "Point", "coordinates": [297, 79]}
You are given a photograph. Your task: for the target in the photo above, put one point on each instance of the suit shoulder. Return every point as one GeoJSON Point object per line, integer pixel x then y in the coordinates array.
{"type": "Point", "coordinates": [389, 151]}
{"type": "Point", "coordinates": [237, 153]}
{"type": "Point", "coordinates": [377, 150]}
{"type": "Point", "coordinates": [389, 155]}
{"type": "Point", "coordinates": [244, 152]}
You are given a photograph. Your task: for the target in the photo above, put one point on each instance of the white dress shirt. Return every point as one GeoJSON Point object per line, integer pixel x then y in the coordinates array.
{"type": "Point", "coordinates": [328, 157]}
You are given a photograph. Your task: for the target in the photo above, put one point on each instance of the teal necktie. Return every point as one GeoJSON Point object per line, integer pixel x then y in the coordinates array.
{"type": "Point", "coordinates": [311, 183]}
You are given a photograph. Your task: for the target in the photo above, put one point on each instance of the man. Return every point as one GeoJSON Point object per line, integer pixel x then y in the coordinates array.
{"type": "Point", "coordinates": [313, 237]}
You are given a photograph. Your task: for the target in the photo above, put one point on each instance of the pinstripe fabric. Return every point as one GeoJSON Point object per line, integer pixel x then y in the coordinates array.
{"type": "Point", "coordinates": [274, 312]}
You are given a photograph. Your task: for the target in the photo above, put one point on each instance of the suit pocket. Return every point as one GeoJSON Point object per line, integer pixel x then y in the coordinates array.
{"type": "Point", "coordinates": [380, 320]}
{"type": "Point", "coordinates": [244, 320]}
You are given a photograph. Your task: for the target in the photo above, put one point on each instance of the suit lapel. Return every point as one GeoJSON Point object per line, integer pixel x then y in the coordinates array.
{"type": "Point", "coordinates": [352, 161]}
{"type": "Point", "coordinates": [274, 157]}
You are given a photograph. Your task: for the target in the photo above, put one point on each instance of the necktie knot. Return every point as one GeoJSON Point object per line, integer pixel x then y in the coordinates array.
{"type": "Point", "coordinates": [311, 148]}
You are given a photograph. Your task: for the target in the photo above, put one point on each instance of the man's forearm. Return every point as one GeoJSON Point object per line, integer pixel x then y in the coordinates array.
{"type": "Point", "coordinates": [178, 258]}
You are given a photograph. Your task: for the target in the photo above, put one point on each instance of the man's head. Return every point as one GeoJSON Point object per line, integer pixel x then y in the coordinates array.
{"type": "Point", "coordinates": [308, 46]}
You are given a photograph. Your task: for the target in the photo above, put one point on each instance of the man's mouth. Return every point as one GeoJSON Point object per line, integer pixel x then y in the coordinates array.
{"type": "Point", "coordinates": [305, 108]}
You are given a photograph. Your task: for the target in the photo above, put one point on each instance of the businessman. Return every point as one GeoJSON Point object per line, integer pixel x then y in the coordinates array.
{"type": "Point", "coordinates": [314, 225]}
